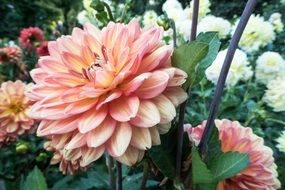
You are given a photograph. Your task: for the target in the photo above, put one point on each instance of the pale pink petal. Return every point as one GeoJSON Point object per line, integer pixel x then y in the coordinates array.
{"type": "Point", "coordinates": [155, 138]}
{"type": "Point", "coordinates": [153, 86]}
{"type": "Point", "coordinates": [120, 140]}
{"type": "Point", "coordinates": [77, 141]}
{"type": "Point", "coordinates": [176, 94]}
{"type": "Point", "coordinates": [74, 62]}
{"type": "Point", "coordinates": [124, 108]}
{"type": "Point", "coordinates": [135, 83]}
{"type": "Point", "coordinates": [102, 133]}
{"type": "Point", "coordinates": [147, 116]}
{"type": "Point", "coordinates": [166, 108]}
{"type": "Point", "coordinates": [90, 155]}
{"type": "Point", "coordinates": [131, 156]}
{"type": "Point", "coordinates": [141, 138]}
{"type": "Point", "coordinates": [92, 119]}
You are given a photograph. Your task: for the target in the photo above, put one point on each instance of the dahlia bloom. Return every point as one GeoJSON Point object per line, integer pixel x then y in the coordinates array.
{"type": "Point", "coordinates": [109, 90]}
{"type": "Point", "coordinates": [276, 20]}
{"type": "Point", "coordinates": [6, 138]}
{"type": "Point", "coordinates": [258, 33]}
{"type": "Point", "coordinates": [275, 94]}
{"type": "Point", "coordinates": [260, 173]}
{"type": "Point", "coordinates": [14, 107]}
{"type": "Point", "coordinates": [149, 18]}
{"type": "Point", "coordinates": [204, 9]}
{"type": "Point", "coordinates": [43, 49]}
{"type": "Point", "coordinates": [216, 24]}
{"type": "Point", "coordinates": [31, 37]}
{"type": "Point", "coordinates": [9, 54]}
{"type": "Point", "coordinates": [269, 66]}
{"type": "Point", "coordinates": [281, 142]}
{"type": "Point", "coordinates": [240, 69]}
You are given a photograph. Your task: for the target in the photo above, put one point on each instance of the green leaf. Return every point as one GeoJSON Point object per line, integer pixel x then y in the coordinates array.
{"type": "Point", "coordinates": [214, 146]}
{"type": "Point", "coordinates": [200, 173]}
{"type": "Point", "coordinates": [162, 158]}
{"type": "Point", "coordinates": [187, 57]}
{"type": "Point", "coordinates": [228, 164]}
{"type": "Point", "coordinates": [35, 180]}
{"type": "Point", "coordinates": [212, 39]}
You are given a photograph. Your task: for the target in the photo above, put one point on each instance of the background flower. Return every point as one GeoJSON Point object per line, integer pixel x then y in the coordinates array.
{"type": "Point", "coordinates": [108, 90]}
{"type": "Point", "coordinates": [9, 54]}
{"type": "Point", "coordinates": [14, 107]}
{"type": "Point", "coordinates": [31, 37]}
{"type": "Point", "coordinates": [258, 33]}
{"type": "Point", "coordinates": [235, 137]}
{"type": "Point", "coordinates": [275, 94]}
{"type": "Point", "coordinates": [149, 18]}
{"type": "Point", "coordinates": [281, 142]}
{"type": "Point", "coordinates": [239, 70]}
{"type": "Point", "coordinates": [216, 24]}
{"type": "Point", "coordinates": [269, 65]}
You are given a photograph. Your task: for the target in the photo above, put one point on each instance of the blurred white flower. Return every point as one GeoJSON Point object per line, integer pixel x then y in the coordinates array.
{"type": "Point", "coordinates": [171, 4]}
{"type": "Point", "coordinates": [269, 66]}
{"type": "Point", "coordinates": [258, 33]}
{"type": "Point", "coordinates": [239, 70]}
{"type": "Point", "coordinates": [275, 94]}
{"type": "Point", "coordinates": [82, 17]}
{"type": "Point", "coordinates": [184, 28]}
{"type": "Point", "coordinates": [216, 24]}
{"type": "Point", "coordinates": [275, 19]}
{"type": "Point", "coordinates": [282, 2]}
{"type": "Point", "coordinates": [149, 18]}
{"type": "Point", "coordinates": [281, 142]}
{"type": "Point", "coordinates": [204, 9]}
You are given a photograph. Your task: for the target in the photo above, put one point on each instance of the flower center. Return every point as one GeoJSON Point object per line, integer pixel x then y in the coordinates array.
{"type": "Point", "coordinates": [16, 107]}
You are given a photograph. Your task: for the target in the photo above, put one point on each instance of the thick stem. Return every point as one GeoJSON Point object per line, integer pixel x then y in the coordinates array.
{"type": "Point", "coordinates": [145, 175]}
{"type": "Point", "coordinates": [183, 105]}
{"type": "Point", "coordinates": [174, 35]}
{"type": "Point", "coordinates": [109, 11]}
{"type": "Point", "coordinates": [223, 75]}
{"type": "Point", "coordinates": [119, 179]}
{"type": "Point", "coordinates": [111, 170]}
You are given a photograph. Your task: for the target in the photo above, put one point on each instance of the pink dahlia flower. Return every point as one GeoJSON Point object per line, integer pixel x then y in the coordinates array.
{"type": "Point", "coordinates": [112, 90]}
{"type": "Point", "coordinates": [9, 54]}
{"type": "Point", "coordinates": [14, 107]}
{"type": "Point", "coordinates": [261, 172]}
{"type": "Point", "coordinates": [43, 49]}
{"type": "Point", "coordinates": [6, 138]}
{"type": "Point", "coordinates": [31, 37]}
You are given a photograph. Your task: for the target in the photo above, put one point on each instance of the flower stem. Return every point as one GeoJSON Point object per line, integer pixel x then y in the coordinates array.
{"type": "Point", "coordinates": [111, 170]}
{"type": "Point", "coordinates": [174, 35]}
{"type": "Point", "coordinates": [183, 105]}
{"type": "Point", "coordinates": [145, 175]}
{"type": "Point", "coordinates": [223, 75]}
{"type": "Point", "coordinates": [119, 180]}
{"type": "Point", "coordinates": [275, 120]}
{"type": "Point", "coordinates": [109, 11]}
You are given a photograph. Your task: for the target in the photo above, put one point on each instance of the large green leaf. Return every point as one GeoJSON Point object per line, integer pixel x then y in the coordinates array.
{"type": "Point", "coordinates": [212, 39]}
{"type": "Point", "coordinates": [214, 146]}
{"type": "Point", "coordinates": [35, 180]}
{"type": "Point", "coordinates": [228, 164]}
{"type": "Point", "coordinates": [201, 174]}
{"type": "Point", "coordinates": [187, 57]}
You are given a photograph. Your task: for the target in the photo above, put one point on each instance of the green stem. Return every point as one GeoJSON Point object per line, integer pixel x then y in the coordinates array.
{"type": "Point", "coordinates": [109, 12]}
{"type": "Point", "coordinates": [111, 170]}
{"type": "Point", "coordinates": [275, 120]}
{"type": "Point", "coordinates": [145, 175]}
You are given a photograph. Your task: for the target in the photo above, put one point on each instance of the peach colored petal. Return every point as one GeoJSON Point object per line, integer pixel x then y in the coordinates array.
{"type": "Point", "coordinates": [141, 138]}
{"type": "Point", "coordinates": [166, 108]}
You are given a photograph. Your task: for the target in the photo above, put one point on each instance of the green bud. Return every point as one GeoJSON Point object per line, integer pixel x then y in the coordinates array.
{"type": "Point", "coordinates": [22, 147]}
{"type": "Point", "coordinates": [42, 157]}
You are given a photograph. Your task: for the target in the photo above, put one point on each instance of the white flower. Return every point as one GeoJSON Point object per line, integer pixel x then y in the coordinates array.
{"type": "Point", "coordinates": [275, 94]}
{"type": "Point", "coordinates": [82, 17]}
{"type": "Point", "coordinates": [258, 33]}
{"type": "Point", "coordinates": [149, 18]}
{"type": "Point", "coordinates": [269, 66]}
{"type": "Point", "coordinates": [239, 70]}
{"type": "Point", "coordinates": [282, 2]}
{"type": "Point", "coordinates": [171, 4]}
{"type": "Point", "coordinates": [184, 28]}
{"type": "Point", "coordinates": [275, 19]}
{"type": "Point", "coordinates": [204, 9]}
{"type": "Point", "coordinates": [216, 24]}
{"type": "Point", "coordinates": [281, 142]}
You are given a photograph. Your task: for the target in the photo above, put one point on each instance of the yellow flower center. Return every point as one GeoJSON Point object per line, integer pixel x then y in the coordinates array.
{"type": "Point", "coordinates": [16, 107]}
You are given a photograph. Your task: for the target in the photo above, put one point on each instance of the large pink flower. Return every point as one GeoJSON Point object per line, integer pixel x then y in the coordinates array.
{"type": "Point", "coordinates": [14, 107]}
{"type": "Point", "coordinates": [261, 172]}
{"type": "Point", "coordinates": [112, 89]}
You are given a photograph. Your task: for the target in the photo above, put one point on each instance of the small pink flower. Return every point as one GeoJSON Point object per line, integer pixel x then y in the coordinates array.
{"type": "Point", "coordinates": [14, 107]}
{"type": "Point", "coordinates": [9, 54]}
{"type": "Point", "coordinates": [112, 90]}
{"type": "Point", "coordinates": [261, 172]}
{"type": "Point", "coordinates": [31, 37]}
{"type": "Point", "coordinates": [43, 49]}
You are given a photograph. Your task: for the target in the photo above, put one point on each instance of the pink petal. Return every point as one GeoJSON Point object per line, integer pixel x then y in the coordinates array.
{"type": "Point", "coordinates": [77, 141]}
{"type": "Point", "coordinates": [153, 86]}
{"type": "Point", "coordinates": [109, 98]}
{"type": "Point", "coordinates": [166, 108]}
{"type": "Point", "coordinates": [65, 79]}
{"type": "Point", "coordinates": [102, 133]}
{"type": "Point", "coordinates": [141, 138]}
{"type": "Point", "coordinates": [124, 108]}
{"type": "Point", "coordinates": [176, 94]}
{"type": "Point", "coordinates": [77, 35]}
{"type": "Point", "coordinates": [135, 83]}
{"type": "Point", "coordinates": [131, 156]}
{"type": "Point", "coordinates": [120, 140]}
{"type": "Point", "coordinates": [51, 65]}
{"type": "Point", "coordinates": [53, 50]}
{"type": "Point", "coordinates": [92, 119]}
{"type": "Point", "coordinates": [147, 116]}
{"type": "Point", "coordinates": [74, 62]}
{"type": "Point", "coordinates": [155, 138]}
{"type": "Point", "coordinates": [89, 155]}
{"type": "Point", "coordinates": [80, 106]}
